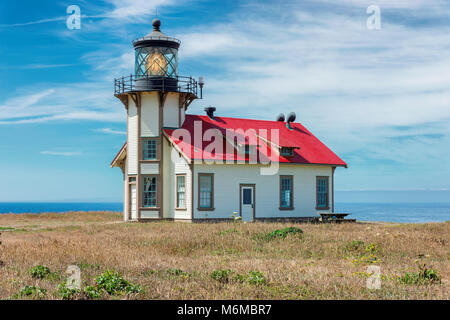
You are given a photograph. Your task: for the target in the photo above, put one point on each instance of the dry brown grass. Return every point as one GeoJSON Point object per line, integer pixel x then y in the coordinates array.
{"type": "Point", "coordinates": [312, 266]}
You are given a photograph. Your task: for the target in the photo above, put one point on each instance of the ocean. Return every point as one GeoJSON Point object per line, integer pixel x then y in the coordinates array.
{"type": "Point", "coordinates": [40, 207]}
{"type": "Point", "coordinates": [388, 212]}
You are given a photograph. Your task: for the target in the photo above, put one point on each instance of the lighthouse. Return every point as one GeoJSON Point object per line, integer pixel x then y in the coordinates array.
{"type": "Point", "coordinates": [155, 97]}
{"type": "Point", "coordinates": [174, 169]}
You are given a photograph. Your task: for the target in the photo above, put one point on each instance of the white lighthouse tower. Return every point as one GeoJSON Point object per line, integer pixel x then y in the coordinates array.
{"type": "Point", "coordinates": [155, 97]}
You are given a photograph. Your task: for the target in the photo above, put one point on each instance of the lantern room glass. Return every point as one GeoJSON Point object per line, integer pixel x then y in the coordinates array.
{"type": "Point", "coordinates": [156, 61]}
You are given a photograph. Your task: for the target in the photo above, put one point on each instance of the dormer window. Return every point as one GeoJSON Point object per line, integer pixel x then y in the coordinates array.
{"type": "Point", "coordinates": [287, 151]}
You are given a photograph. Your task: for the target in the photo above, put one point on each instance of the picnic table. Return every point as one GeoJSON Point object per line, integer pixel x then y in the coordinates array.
{"type": "Point", "coordinates": [335, 217]}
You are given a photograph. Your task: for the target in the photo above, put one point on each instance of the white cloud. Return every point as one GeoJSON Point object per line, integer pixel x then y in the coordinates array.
{"type": "Point", "coordinates": [136, 8]}
{"type": "Point", "coordinates": [59, 153]}
{"type": "Point", "coordinates": [110, 131]}
{"type": "Point", "coordinates": [356, 89]}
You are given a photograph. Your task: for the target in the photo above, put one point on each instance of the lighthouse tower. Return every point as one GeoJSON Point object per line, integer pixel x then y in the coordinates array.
{"type": "Point", "coordinates": [155, 97]}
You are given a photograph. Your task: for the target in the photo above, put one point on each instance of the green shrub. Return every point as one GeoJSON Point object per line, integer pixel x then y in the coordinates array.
{"type": "Point", "coordinates": [31, 291]}
{"type": "Point", "coordinates": [283, 233]}
{"type": "Point", "coordinates": [226, 276]}
{"type": "Point", "coordinates": [354, 246]}
{"type": "Point", "coordinates": [239, 278]}
{"type": "Point", "coordinates": [423, 276]}
{"type": "Point", "coordinates": [66, 293]}
{"type": "Point", "coordinates": [114, 284]}
{"type": "Point", "coordinates": [175, 272]}
{"type": "Point", "coordinates": [85, 265]}
{"type": "Point", "coordinates": [221, 275]}
{"type": "Point", "coordinates": [360, 252]}
{"type": "Point", "coordinates": [178, 273]}
{"type": "Point", "coordinates": [372, 248]}
{"type": "Point", "coordinates": [150, 272]}
{"type": "Point", "coordinates": [256, 278]}
{"type": "Point", "coordinates": [92, 292]}
{"type": "Point", "coordinates": [40, 272]}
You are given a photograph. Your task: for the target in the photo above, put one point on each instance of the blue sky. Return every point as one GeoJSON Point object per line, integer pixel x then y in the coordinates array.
{"type": "Point", "coordinates": [379, 98]}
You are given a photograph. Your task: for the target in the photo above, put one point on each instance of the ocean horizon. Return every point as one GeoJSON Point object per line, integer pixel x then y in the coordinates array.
{"type": "Point", "coordinates": [386, 212]}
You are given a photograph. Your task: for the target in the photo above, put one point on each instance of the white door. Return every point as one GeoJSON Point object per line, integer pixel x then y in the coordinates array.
{"type": "Point", "coordinates": [247, 203]}
{"type": "Point", "coordinates": [133, 201]}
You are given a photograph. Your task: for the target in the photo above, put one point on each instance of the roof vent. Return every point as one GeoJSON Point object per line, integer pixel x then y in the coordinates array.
{"type": "Point", "coordinates": [280, 117]}
{"type": "Point", "coordinates": [210, 111]}
{"type": "Point", "coordinates": [291, 118]}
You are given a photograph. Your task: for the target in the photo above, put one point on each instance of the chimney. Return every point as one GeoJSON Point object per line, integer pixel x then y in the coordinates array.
{"type": "Point", "coordinates": [210, 112]}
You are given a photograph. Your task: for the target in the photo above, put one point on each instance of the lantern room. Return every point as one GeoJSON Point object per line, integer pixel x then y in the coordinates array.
{"type": "Point", "coordinates": [156, 67]}
{"type": "Point", "coordinates": [156, 55]}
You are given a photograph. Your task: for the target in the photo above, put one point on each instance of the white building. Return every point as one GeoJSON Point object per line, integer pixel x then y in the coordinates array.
{"type": "Point", "coordinates": [201, 167]}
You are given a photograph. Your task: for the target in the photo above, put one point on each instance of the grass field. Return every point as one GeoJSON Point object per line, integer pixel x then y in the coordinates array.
{"type": "Point", "coordinates": [175, 260]}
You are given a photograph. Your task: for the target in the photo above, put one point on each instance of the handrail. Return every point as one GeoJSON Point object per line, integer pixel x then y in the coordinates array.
{"type": "Point", "coordinates": [155, 83]}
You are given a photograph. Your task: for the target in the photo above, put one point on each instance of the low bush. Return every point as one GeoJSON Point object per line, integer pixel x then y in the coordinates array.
{"type": "Point", "coordinates": [256, 278]}
{"type": "Point", "coordinates": [67, 293]}
{"type": "Point", "coordinates": [178, 273]}
{"type": "Point", "coordinates": [361, 253]}
{"type": "Point", "coordinates": [40, 272]}
{"type": "Point", "coordinates": [422, 277]}
{"type": "Point", "coordinates": [31, 291]}
{"type": "Point", "coordinates": [226, 276]}
{"type": "Point", "coordinates": [283, 233]}
{"type": "Point", "coordinates": [354, 246]}
{"type": "Point", "coordinates": [92, 292]}
{"type": "Point", "coordinates": [222, 275]}
{"type": "Point", "coordinates": [114, 284]}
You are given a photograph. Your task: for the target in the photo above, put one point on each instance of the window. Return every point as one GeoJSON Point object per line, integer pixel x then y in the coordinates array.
{"type": "Point", "coordinates": [286, 194]}
{"type": "Point", "coordinates": [322, 193]}
{"type": "Point", "coordinates": [205, 191]}
{"type": "Point", "coordinates": [181, 191]}
{"type": "Point", "coordinates": [287, 151]}
{"type": "Point", "coordinates": [149, 149]}
{"type": "Point", "coordinates": [132, 179]}
{"type": "Point", "coordinates": [150, 192]}
{"type": "Point", "coordinates": [247, 193]}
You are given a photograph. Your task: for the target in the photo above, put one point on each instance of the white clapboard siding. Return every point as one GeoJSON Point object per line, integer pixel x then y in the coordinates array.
{"type": "Point", "coordinates": [132, 137]}
{"type": "Point", "coordinates": [149, 168]}
{"type": "Point", "coordinates": [227, 179]}
{"type": "Point", "coordinates": [182, 167]}
{"type": "Point", "coordinates": [149, 115]}
{"type": "Point", "coordinates": [171, 111]}
{"type": "Point", "coordinates": [175, 164]}
{"type": "Point", "coordinates": [149, 214]}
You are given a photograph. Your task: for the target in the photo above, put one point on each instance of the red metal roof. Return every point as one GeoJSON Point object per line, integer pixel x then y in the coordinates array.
{"type": "Point", "coordinates": [307, 148]}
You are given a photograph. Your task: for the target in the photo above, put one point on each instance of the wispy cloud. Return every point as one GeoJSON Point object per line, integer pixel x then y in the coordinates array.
{"type": "Point", "coordinates": [90, 101]}
{"type": "Point", "coordinates": [29, 23]}
{"type": "Point", "coordinates": [352, 86]}
{"type": "Point", "coordinates": [125, 9]}
{"type": "Point", "coordinates": [110, 131]}
{"type": "Point", "coordinates": [59, 153]}
{"type": "Point", "coordinates": [45, 66]}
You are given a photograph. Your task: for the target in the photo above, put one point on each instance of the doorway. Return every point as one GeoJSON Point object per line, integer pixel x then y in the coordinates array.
{"type": "Point", "coordinates": [247, 202]}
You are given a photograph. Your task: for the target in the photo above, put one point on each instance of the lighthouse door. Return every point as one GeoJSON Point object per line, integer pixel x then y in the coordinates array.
{"type": "Point", "coordinates": [247, 202]}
